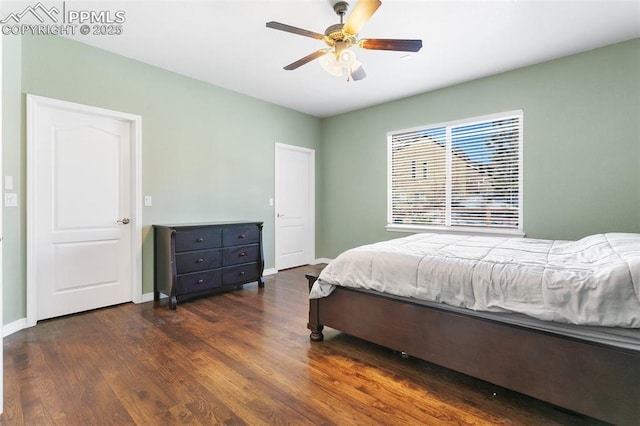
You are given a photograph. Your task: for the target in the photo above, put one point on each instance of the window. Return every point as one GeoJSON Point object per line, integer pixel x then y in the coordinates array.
{"type": "Point", "coordinates": [473, 179]}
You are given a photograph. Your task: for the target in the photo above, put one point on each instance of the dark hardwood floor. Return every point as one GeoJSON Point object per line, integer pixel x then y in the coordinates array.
{"type": "Point", "coordinates": [242, 357]}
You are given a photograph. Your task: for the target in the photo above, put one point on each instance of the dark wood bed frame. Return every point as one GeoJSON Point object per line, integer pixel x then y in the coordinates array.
{"type": "Point", "coordinates": [597, 380]}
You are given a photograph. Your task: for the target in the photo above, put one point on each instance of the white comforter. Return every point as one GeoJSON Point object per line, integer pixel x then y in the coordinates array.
{"type": "Point", "coordinates": [593, 281]}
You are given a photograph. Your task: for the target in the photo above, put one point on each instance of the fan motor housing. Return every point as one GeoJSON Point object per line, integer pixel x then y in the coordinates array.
{"type": "Point", "coordinates": [335, 32]}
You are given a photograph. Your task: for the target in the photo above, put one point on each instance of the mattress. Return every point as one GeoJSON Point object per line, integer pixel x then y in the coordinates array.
{"type": "Point", "coordinates": [592, 281]}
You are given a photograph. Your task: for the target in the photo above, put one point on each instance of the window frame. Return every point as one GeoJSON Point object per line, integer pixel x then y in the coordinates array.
{"type": "Point", "coordinates": [473, 230]}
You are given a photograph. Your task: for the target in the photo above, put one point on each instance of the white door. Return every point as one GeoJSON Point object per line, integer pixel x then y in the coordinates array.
{"type": "Point", "coordinates": [81, 188]}
{"type": "Point", "coordinates": [295, 206]}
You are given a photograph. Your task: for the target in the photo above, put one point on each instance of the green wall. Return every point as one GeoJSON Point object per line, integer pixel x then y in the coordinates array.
{"type": "Point", "coordinates": [581, 148]}
{"type": "Point", "coordinates": [207, 153]}
{"type": "Point", "coordinates": [13, 159]}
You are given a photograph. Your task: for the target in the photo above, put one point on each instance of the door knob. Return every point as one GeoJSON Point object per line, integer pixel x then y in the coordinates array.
{"type": "Point", "coordinates": [123, 221]}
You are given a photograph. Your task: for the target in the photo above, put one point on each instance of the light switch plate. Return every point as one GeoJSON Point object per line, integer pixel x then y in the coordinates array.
{"type": "Point", "coordinates": [147, 201]}
{"type": "Point", "coordinates": [11, 199]}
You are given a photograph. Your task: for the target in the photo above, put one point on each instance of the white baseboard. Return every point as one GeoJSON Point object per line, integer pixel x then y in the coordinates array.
{"type": "Point", "coordinates": [13, 327]}
{"type": "Point", "coordinates": [321, 260]}
{"type": "Point", "coordinates": [146, 297]}
{"type": "Point", "coordinates": [269, 271]}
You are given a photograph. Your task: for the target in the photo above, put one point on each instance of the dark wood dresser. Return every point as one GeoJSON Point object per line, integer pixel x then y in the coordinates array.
{"type": "Point", "coordinates": [199, 259]}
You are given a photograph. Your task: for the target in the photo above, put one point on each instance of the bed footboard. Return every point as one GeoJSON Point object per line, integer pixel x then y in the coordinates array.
{"type": "Point", "coordinates": [594, 379]}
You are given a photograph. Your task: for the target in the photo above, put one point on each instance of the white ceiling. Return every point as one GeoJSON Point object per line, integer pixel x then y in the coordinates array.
{"type": "Point", "coordinates": [227, 44]}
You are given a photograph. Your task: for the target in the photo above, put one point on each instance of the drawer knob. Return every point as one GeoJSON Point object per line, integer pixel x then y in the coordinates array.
{"type": "Point", "coordinates": [243, 254]}
{"type": "Point", "coordinates": [199, 240]}
{"type": "Point", "coordinates": [200, 260]}
{"type": "Point", "coordinates": [241, 273]}
{"type": "Point", "coordinates": [241, 236]}
{"type": "Point", "coordinates": [200, 281]}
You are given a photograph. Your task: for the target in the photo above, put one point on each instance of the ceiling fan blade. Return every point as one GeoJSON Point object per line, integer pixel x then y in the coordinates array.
{"type": "Point", "coordinates": [360, 15]}
{"type": "Point", "coordinates": [300, 62]}
{"type": "Point", "coordinates": [294, 30]}
{"type": "Point", "coordinates": [391, 44]}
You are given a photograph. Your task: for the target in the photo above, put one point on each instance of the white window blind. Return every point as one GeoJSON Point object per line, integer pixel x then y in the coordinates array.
{"type": "Point", "coordinates": [460, 174]}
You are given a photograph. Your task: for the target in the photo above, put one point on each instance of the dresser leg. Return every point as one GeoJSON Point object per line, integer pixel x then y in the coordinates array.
{"type": "Point", "coordinates": [261, 282]}
{"type": "Point", "coordinates": [173, 303]}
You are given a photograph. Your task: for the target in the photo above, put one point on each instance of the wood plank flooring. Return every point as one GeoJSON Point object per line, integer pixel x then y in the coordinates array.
{"type": "Point", "coordinates": [239, 358]}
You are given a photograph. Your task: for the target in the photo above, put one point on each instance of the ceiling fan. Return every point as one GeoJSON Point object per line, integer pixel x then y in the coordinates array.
{"type": "Point", "coordinates": [340, 38]}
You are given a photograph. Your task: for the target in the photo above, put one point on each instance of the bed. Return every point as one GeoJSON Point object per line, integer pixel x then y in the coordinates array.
{"type": "Point", "coordinates": [563, 358]}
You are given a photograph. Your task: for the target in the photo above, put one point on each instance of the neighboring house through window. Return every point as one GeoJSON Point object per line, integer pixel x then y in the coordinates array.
{"type": "Point", "coordinates": [464, 175]}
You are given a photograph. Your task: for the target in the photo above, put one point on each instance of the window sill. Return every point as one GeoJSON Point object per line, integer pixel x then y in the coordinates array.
{"type": "Point", "coordinates": [513, 233]}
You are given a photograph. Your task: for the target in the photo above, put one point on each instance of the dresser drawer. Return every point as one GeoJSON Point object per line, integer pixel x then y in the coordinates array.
{"type": "Point", "coordinates": [240, 254]}
{"type": "Point", "coordinates": [190, 283]}
{"type": "Point", "coordinates": [198, 239]}
{"type": "Point", "coordinates": [236, 235]}
{"type": "Point", "coordinates": [240, 274]}
{"type": "Point", "coordinates": [198, 260]}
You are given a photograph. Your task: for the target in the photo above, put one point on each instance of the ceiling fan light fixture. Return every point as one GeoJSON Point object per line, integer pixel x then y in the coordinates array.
{"type": "Point", "coordinates": [330, 64]}
{"type": "Point", "coordinates": [347, 58]}
{"type": "Point", "coordinates": [339, 61]}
